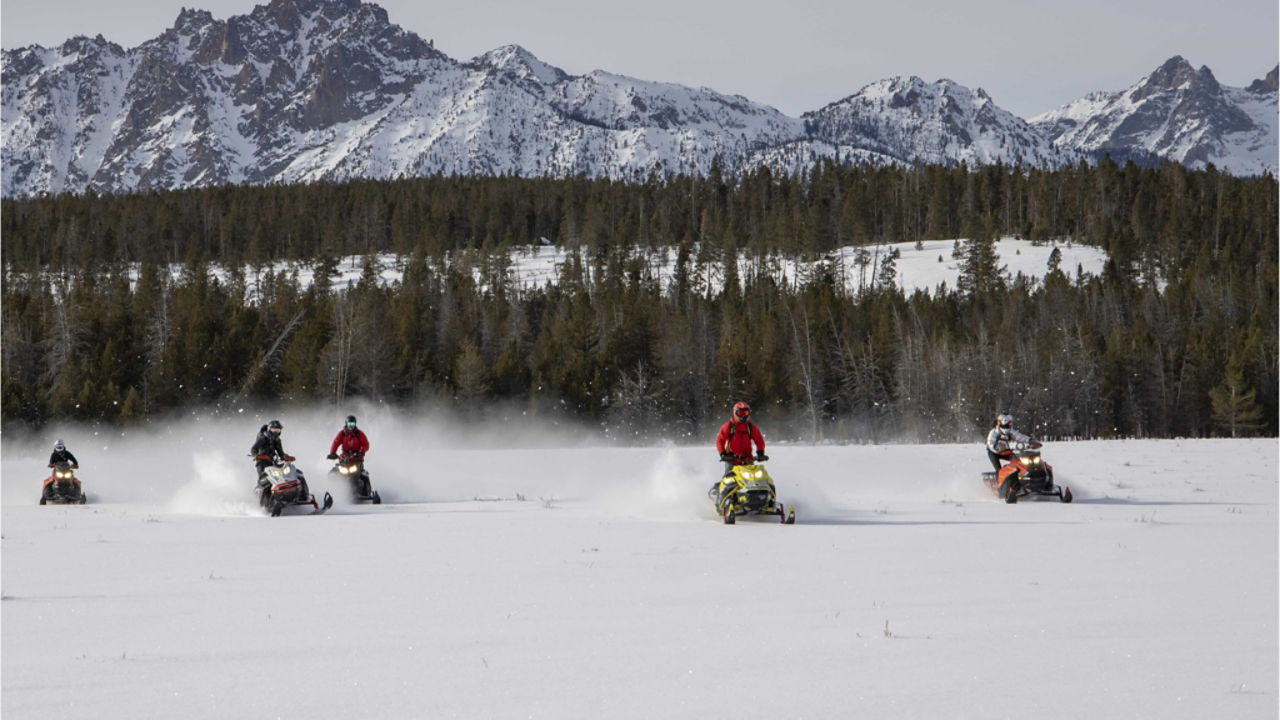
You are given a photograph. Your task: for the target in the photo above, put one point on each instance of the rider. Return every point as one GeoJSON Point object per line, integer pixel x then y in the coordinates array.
{"type": "Point", "coordinates": [62, 455]}
{"type": "Point", "coordinates": [735, 437]}
{"type": "Point", "coordinates": [266, 448]}
{"type": "Point", "coordinates": [1001, 439]}
{"type": "Point", "coordinates": [353, 441]}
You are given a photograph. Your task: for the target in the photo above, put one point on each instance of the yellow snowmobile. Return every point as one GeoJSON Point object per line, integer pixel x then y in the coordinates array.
{"type": "Point", "coordinates": [748, 490]}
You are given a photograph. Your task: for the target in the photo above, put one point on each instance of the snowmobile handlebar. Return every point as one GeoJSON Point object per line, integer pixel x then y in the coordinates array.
{"type": "Point", "coordinates": [729, 457]}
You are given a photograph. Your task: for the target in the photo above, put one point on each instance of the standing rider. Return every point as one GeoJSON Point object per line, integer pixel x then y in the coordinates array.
{"type": "Point", "coordinates": [353, 441]}
{"type": "Point", "coordinates": [735, 437]}
{"type": "Point", "coordinates": [1001, 439]}
{"type": "Point", "coordinates": [62, 455]}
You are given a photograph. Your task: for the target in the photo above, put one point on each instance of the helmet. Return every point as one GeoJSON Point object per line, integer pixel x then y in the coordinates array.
{"type": "Point", "coordinates": [1004, 420]}
{"type": "Point", "coordinates": [351, 421]}
{"type": "Point", "coordinates": [59, 447]}
{"type": "Point", "coordinates": [274, 427]}
{"type": "Point", "coordinates": [741, 411]}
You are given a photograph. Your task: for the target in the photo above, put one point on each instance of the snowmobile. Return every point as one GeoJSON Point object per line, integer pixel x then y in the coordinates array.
{"type": "Point", "coordinates": [351, 468]}
{"type": "Point", "coordinates": [62, 487]}
{"type": "Point", "coordinates": [748, 490]}
{"type": "Point", "coordinates": [282, 484]}
{"type": "Point", "coordinates": [1026, 475]}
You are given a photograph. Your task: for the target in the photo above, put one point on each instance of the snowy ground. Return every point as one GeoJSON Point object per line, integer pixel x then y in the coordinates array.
{"type": "Point", "coordinates": [924, 267]}
{"type": "Point", "coordinates": [553, 580]}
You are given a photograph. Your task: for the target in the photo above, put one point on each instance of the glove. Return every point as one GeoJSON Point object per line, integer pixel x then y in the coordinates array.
{"type": "Point", "coordinates": [333, 456]}
{"type": "Point", "coordinates": [760, 456]}
{"type": "Point", "coordinates": [727, 456]}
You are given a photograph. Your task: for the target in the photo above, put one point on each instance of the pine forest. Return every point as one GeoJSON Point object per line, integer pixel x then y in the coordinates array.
{"type": "Point", "coordinates": [1177, 337]}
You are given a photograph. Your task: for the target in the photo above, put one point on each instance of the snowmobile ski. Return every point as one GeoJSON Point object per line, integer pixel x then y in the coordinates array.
{"type": "Point", "coordinates": [321, 509]}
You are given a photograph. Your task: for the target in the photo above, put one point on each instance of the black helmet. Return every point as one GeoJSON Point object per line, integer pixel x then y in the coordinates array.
{"type": "Point", "coordinates": [274, 427]}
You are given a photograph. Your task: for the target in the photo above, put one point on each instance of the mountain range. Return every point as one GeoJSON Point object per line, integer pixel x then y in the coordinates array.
{"type": "Point", "coordinates": [310, 90]}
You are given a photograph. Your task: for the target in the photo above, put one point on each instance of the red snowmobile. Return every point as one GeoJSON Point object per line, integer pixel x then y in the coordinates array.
{"type": "Point", "coordinates": [1026, 475]}
{"type": "Point", "coordinates": [63, 487]}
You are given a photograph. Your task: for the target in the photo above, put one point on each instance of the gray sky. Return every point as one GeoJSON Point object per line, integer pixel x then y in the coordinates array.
{"type": "Point", "coordinates": [1029, 55]}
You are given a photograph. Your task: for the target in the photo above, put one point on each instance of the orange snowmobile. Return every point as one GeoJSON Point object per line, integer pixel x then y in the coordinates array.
{"type": "Point", "coordinates": [1025, 475]}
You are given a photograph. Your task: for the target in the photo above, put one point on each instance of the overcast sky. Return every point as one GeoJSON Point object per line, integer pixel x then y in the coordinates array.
{"type": "Point", "coordinates": [1029, 55]}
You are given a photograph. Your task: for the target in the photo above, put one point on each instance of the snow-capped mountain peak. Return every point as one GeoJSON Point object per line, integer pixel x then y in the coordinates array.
{"type": "Point", "coordinates": [521, 63]}
{"type": "Point", "coordinates": [1175, 112]}
{"type": "Point", "coordinates": [306, 90]}
{"type": "Point", "coordinates": [936, 122]}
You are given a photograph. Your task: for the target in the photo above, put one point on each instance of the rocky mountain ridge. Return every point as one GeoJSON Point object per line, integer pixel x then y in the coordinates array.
{"type": "Point", "coordinates": [315, 90]}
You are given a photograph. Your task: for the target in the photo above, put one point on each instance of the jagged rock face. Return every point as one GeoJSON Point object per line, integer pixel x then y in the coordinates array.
{"type": "Point", "coordinates": [1179, 113]}
{"type": "Point", "coordinates": [306, 90]}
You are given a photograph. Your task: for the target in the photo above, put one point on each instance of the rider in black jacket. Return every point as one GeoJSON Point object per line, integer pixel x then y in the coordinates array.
{"type": "Point", "coordinates": [62, 454]}
{"type": "Point", "coordinates": [266, 448]}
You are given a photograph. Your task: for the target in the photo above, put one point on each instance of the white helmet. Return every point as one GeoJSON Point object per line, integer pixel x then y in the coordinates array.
{"type": "Point", "coordinates": [1004, 420]}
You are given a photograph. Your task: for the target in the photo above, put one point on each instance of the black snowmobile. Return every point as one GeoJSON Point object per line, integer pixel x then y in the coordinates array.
{"type": "Point", "coordinates": [748, 490]}
{"type": "Point", "coordinates": [282, 484]}
{"type": "Point", "coordinates": [62, 487]}
{"type": "Point", "coordinates": [350, 468]}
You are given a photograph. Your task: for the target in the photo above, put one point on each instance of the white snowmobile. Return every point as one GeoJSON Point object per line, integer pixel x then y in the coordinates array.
{"type": "Point", "coordinates": [282, 485]}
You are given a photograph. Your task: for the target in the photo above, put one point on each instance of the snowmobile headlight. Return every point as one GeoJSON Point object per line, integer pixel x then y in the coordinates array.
{"type": "Point", "coordinates": [346, 469]}
{"type": "Point", "coordinates": [63, 474]}
{"type": "Point", "coordinates": [286, 470]}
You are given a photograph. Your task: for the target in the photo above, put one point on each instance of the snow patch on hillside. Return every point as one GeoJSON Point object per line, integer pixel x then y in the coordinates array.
{"type": "Point", "coordinates": [924, 266]}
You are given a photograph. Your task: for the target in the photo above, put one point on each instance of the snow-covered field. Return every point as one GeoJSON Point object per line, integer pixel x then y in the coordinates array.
{"type": "Point", "coordinates": [523, 575]}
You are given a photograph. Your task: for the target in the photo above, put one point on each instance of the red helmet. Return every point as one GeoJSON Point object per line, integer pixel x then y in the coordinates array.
{"type": "Point", "coordinates": [741, 411]}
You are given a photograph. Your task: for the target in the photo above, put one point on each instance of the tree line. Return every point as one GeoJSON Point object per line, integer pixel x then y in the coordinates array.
{"type": "Point", "coordinates": [1177, 337]}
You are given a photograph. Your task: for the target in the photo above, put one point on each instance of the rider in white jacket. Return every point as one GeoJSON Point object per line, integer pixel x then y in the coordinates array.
{"type": "Point", "coordinates": [1001, 439]}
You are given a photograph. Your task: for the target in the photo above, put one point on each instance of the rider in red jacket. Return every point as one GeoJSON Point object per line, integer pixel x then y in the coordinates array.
{"type": "Point", "coordinates": [352, 440]}
{"type": "Point", "coordinates": [735, 438]}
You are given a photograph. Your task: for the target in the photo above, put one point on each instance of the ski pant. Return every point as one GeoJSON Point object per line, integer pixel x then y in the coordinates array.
{"type": "Point", "coordinates": [995, 460]}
